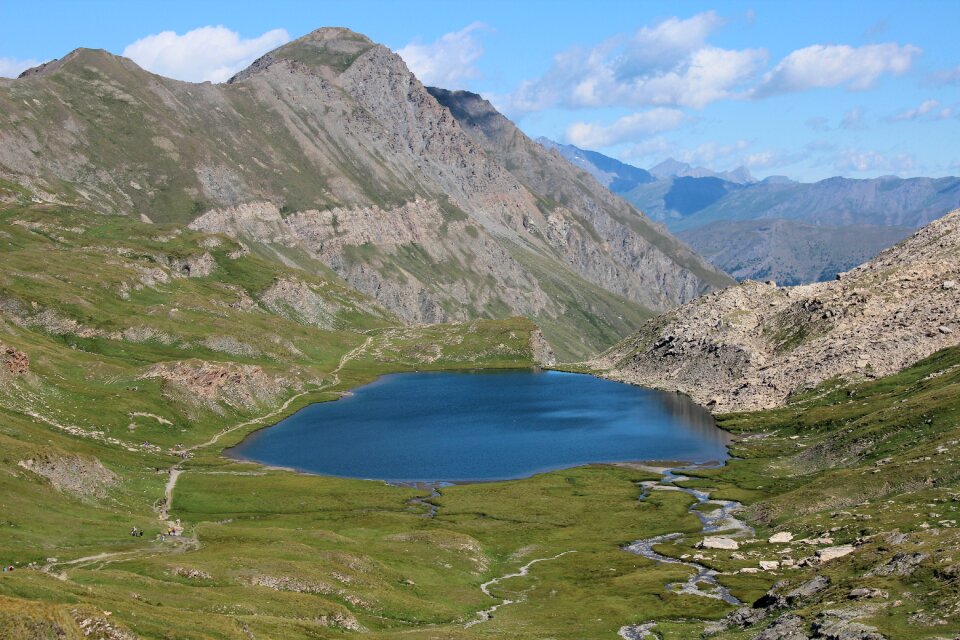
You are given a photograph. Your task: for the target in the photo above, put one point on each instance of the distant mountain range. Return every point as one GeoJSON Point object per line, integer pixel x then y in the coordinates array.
{"type": "Point", "coordinates": [671, 168]}
{"type": "Point", "coordinates": [617, 176]}
{"type": "Point", "coordinates": [776, 228]}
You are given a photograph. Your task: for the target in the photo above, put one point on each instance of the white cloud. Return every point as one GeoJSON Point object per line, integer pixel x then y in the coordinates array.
{"type": "Point", "coordinates": [863, 161]}
{"type": "Point", "coordinates": [591, 135]}
{"type": "Point", "coordinates": [772, 158]}
{"type": "Point", "coordinates": [206, 53]}
{"type": "Point", "coordinates": [710, 152]}
{"type": "Point", "coordinates": [947, 76]}
{"type": "Point", "coordinates": [821, 66]}
{"type": "Point", "coordinates": [11, 67]}
{"type": "Point", "coordinates": [448, 60]}
{"type": "Point", "coordinates": [818, 123]}
{"type": "Point", "coordinates": [853, 120]}
{"type": "Point", "coordinates": [655, 147]}
{"type": "Point", "coordinates": [669, 64]}
{"type": "Point", "coordinates": [927, 110]}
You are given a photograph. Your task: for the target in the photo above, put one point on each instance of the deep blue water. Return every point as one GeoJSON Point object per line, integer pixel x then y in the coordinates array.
{"type": "Point", "coordinates": [486, 426]}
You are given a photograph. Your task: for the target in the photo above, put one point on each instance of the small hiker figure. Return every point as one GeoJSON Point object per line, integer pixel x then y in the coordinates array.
{"type": "Point", "coordinates": [133, 531]}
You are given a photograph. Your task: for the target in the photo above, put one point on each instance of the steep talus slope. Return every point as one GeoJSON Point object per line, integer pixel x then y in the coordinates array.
{"type": "Point", "coordinates": [359, 166]}
{"type": "Point", "coordinates": [753, 345]}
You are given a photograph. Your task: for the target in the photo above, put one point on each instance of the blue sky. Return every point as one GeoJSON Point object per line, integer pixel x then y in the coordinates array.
{"type": "Point", "coordinates": [806, 89]}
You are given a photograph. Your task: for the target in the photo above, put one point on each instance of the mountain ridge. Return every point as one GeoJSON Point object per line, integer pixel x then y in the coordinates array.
{"type": "Point", "coordinates": [732, 222]}
{"type": "Point", "coordinates": [332, 122]}
{"type": "Point", "coordinates": [671, 168]}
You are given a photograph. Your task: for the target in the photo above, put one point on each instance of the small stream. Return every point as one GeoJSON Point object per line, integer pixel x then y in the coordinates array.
{"type": "Point", "coordinates": [720, 519]}
{"type": "Point", "coordinates": [424, 501]}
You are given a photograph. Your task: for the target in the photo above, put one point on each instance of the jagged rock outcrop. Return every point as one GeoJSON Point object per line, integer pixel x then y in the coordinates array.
{"type": "Point", "coordinates": [329, 146]}
{"type": "Point", "coordinates": [752, 346]}
{"type": "Point", "coordinates": [296, 299]}
{"type": "Point", "coordinates": [214, 383]}
{"type": "Point", "coordinates": [542, 353]}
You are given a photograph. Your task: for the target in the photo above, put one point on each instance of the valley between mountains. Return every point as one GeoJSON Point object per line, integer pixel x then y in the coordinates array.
{"type": "Point", "coordinates": [184, 264]}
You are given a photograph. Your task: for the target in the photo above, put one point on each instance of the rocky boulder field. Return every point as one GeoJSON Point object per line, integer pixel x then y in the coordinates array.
{"type": "Point", "coordinates": [754, 345]}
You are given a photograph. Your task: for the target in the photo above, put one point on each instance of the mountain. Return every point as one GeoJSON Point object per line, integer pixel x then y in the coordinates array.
{"type": "Point", "coordinates": [329, 151]}
{"type": "Point", "coordinates": [671, 168]}
{"type": "Point", "coordinates": [756, 345]}
{"type": "Point", "coordinates": [778, 228]}
{"type": "Point", "coordinates": [887, 201]}
{"type": "Point", "coordinates": [617, 176]}
{"type": "Point", "coordinates": [787, 251]}
{"type": "Point", "coordinates": [795, 232]}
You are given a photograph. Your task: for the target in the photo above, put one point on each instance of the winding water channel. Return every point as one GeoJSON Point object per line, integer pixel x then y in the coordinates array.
{"type": "Point", "coordinates": [703, 581]}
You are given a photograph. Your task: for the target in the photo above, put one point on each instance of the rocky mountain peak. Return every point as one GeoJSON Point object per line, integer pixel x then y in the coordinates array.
{"type": "Point", "coordinates": [81, 57]}
{"type": "Point", "coordinates": [471, 109]}
{"type": "Point", "coordinates": [329, 50]}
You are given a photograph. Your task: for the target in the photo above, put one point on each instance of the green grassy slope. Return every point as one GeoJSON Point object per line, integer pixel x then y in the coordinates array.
{"type": "Point", "coordinates": [283, 554]}
{"type": "Point", "coordinates": [88, 438]}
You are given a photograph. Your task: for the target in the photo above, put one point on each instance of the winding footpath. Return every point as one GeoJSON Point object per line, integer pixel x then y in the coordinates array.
{"type": "Point", "coordinates": [486, 614]}
{"type": "Point", "coordinates": [176, 470]}
{"type": "Point", "coordinates": [184, 543]}
{"type": "Point", "coordinates": [714, 521]}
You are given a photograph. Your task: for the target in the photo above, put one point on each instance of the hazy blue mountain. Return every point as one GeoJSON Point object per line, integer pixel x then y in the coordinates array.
{"type": "Point", "coordinates": [787, 251]}
{"type": "Point", "coordinates": [671, 168]}
{"type": "Point", "coordinates": [617, 176]}
{"type": "Point", "coordinates": [777, 228]}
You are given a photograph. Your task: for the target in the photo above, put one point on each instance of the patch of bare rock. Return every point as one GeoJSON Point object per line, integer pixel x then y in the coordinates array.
{"type": "Point", "coordinates": [99, 627]}
{"type": "Point", "coordinates": [300, 301]}
{"type": "Point", "coordinates": [14, 362]}
{"type": "Point", "coordinates": [829, 624]}
{"type": "Point", "coordinates": [79, 475]}
{"type": "Point", "coordinates": [190, 574]}
{"type": "Point", "coordinates": [754, 345]}
{"type": "Point", "coordinates": [341, 620]}
{"type": "Point", "coordinates": [214, 383]}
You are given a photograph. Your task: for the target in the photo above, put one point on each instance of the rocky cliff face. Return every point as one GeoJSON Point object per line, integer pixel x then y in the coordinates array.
{"type": "Point", "coordinates": [754, 345]}
{"type": "Point", "coordinates": [330, 147]}
{"type": "Point", "coordinates": [621, 250]}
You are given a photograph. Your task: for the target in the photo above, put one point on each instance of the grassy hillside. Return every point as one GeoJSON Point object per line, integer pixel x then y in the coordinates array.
{"type": "Point", "coordinates": [133, 354]}
{"type": "Point", "coordinates": [88, 443]}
